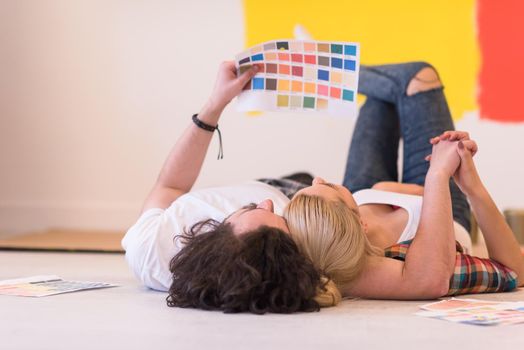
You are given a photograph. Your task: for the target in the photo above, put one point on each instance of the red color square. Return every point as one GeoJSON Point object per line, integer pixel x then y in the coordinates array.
{"type": "Point", "coordinates": [296, 57]}
{"type": "Point", "coordinates": [297, 71]}
{"type": "Point", "coordinates": [311, 59]}
{"type": "Point", "coordinates": [322, 90]}
{"type": "Point", "coordinates": [334, 92]}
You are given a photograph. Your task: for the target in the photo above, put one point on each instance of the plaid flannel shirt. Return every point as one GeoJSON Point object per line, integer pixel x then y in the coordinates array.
{"type": "Point", "coordinates": [471, 275]}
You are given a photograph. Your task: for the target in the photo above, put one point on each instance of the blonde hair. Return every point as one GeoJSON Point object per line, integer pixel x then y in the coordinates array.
{"type": "Point", "coordinates": [331, 235]}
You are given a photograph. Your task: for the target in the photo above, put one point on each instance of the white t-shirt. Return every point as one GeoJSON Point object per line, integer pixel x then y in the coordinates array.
{"type": "Point", "coordinates": [150, 244]}
{"type": "Point", "coordinates": [413, 205]}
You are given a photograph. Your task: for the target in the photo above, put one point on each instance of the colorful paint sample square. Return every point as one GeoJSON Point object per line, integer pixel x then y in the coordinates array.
{"type": "Point", "coordinates": [309, 102]}
{"type": "Point", "coordinates": [323, 61]}
{"type": "Point", "coordinates": [271, 56]}
{"type": "Point", "coordinates": [322, 47]}
{"type": "Point", "coordinates": [297, 71]}
{"type": "Point", "coordinates": [323, 75]}
{"type": "Point", "coordinates": [296, 57]}
{"type": "Point", "coordinates": [334, 92]}
{"type": "Point", "coordinates": [301, 75]}
{"type": "Point", "coordinates": [336, 77]}
{"type": "Point", "coordinates": [257, 57]}
{"type": "Point", "coordinates": [270, 46]}
{"type": "Point", "coordinates": [310, 88]}
{"type": "Point", "coordinates": [310, 73]}
{"type": "Point", "coordinates": [283, 56]}
{"type": "Point", "coordinates": [271, 68]}
{"type": "Point", "coordinates": [336, 48]}
{"type": "Point", "coordinates": [261, 67]}
{"type": "Point", "coordinates": [258, 83]}
{"type": "Point", "coordinates": [296, 86]}
{"type": "Point", "coordinates": [322, 103]}
{"type": "Point", "coordinates": [296, 46]}
{"type": "Point", "coordinates": [350, 50]}
{"type": "Point", "coordinates": [271, 84]}
{"type": "Point", "coordinates": [282, 45]}
{"type": "Point", "coordinates": [350, 65]}
{"type": "Point", "coordinates": [282, 100]}
{"type": "Point", "coordinates": [348, 95]}
{"type": "Point", "coordinates": [242, 69]}
{"type": "Point", "coordinates": [283, 85]}
{"type": "Point", "coordinates": [349, 79]}
{"type": "Point", "coordinates": [257, 49]}
{"type": "Point", "coordinates": [284, 69]}
{"type": "Point", "coordinates": [336, 62]}
{"type": "Point", "coordinates": [311, 59]}
{"type": "Point", "coordinates": [322, 90]}
{"type": "Point", "coordinates": [310, 47]}
{"type": "Point", "coordinates": [295, 101]}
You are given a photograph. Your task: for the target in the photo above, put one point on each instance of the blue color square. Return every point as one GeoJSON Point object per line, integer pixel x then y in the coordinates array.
{"type": "Point", "coordinates": [323, 75]}
{"type": "Point", "coordinates": [350, 65]}
{"type": "Point", "coordinates": [259, 57]}
{"type": "Point", "coordinates": [336, 62]}
{"type": "Point", "coordinates": [350, 50]}
{"type": "Point", "coordinates": [348, 95]}
{"type": "Point", "coordinates": [258, 83]}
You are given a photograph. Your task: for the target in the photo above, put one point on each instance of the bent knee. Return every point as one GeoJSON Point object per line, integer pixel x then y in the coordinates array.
{"type": "Point", "coordinates": [426, 79]}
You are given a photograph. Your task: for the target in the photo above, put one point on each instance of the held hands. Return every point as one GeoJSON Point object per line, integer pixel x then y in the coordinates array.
{"type": "Point", "coordinates": [465, 174]}
{"type": "Point", "coordinates": [228, 85]}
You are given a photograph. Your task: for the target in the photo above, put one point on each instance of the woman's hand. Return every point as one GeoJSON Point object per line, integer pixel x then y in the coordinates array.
{"type": "Point", "coordinates": [444, 158]}
{"type": "Point", "coordinates": [228, 85]}
{"type": "Point", "coordinates": [466, 175]}
{"type": "Point", "coordinates": [454, 135]}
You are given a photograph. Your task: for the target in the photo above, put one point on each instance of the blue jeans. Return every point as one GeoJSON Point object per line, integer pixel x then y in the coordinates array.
{"type": "Point", "coordinates": [390, 114]}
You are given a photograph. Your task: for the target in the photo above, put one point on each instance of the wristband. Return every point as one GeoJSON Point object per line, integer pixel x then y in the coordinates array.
{"type": "Point", "coordinates": [210, 128]}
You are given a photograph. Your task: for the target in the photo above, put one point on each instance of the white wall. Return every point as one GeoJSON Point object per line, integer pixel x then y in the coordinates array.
{"type": "Point", "coordinates": [93, 94]}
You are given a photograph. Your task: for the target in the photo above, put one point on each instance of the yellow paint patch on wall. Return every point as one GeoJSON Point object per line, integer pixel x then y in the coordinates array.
{"type": "Point", "coordinates": [441, 32]}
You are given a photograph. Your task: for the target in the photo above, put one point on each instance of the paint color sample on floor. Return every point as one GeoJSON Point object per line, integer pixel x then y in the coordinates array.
{"type": "Point", "coordinates": [301, 75]}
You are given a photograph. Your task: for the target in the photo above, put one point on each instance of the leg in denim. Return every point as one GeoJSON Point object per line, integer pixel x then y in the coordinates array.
{"type": "Point", "coordinates": [420, 117]}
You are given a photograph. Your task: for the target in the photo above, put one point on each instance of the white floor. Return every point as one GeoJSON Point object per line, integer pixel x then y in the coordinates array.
{"type": "Point", "coordinates": [131, 317]}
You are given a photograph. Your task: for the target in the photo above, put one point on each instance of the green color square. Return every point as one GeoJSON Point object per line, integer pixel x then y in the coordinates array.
{"type": "Point", "coordinates": [348, 95]}
{"type": "Point", "coordinates": [309, 102]}
{"type": "Point", "coordinates": [335, 48]}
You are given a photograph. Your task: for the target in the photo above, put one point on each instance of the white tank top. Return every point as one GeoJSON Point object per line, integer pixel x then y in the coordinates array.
{"type": "Point", "coordinates": [413, 205]}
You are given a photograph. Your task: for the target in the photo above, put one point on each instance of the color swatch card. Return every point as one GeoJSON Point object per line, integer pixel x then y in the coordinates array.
{"type": "Point", "coordinates": [41, 286]}
{"type": "Point", "coordinates": [298, 75]}
{"type": "Point", "coordinates": [476, 312]}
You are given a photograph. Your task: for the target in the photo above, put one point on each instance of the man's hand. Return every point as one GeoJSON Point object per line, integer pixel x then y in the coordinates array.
{"type": "Point", "coordinates": [228, 85]}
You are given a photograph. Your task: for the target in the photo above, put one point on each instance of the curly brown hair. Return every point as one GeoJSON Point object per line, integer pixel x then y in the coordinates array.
{"type": "Point", "coordinates": [258, 271]}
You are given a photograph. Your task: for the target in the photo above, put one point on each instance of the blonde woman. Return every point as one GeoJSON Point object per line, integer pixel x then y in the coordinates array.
{"type": "Point", "coordinates": [404, 240]}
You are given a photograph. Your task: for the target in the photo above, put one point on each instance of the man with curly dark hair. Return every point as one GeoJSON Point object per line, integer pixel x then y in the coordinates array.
{"type": "Point", "coordinates": [209, 249]}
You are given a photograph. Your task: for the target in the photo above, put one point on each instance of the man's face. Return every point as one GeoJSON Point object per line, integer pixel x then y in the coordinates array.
{"type": "Point", "coordinates": [254, 215]}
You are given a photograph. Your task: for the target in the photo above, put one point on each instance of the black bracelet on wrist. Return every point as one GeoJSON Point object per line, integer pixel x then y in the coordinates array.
{"type": "Point", "coordinates": [210, 128]}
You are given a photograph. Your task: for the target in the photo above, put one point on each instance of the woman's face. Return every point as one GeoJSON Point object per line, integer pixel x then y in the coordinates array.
{"type": "Point", "coordinates": [330, 191]}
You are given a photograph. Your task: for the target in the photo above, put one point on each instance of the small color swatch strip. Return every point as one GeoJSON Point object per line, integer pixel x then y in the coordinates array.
{"type": "Point", "coordinates": [301, 75]}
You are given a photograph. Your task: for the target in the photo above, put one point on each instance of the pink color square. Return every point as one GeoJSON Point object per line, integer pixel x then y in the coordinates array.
{"type": "Point", "coordinates": [322, 90]}
{"type": "Point", "coordinates": [311, 59]}
{"type": "Point", "coordinates": [334, 92]}
{"type": "Point", "coordinates": [297, 71]}
{"type": "Point", "coordinates": [296, 57]}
